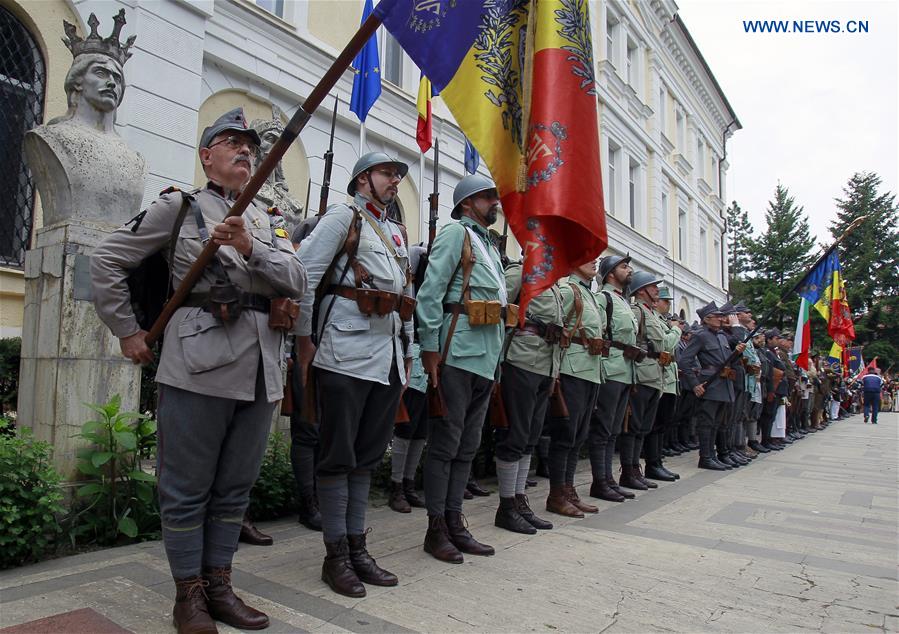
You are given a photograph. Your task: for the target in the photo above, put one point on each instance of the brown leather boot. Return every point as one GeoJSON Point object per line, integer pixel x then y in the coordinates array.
{"type": "Point", "coordinates": [457, 529]}
{"type": "Point", "coordinates": [630, 480]}
{"type": "Point", "coordinates": [437, 541]}
{"type": "Point", "coordinates": [622, 492]}
{"type": "Point", "coordinates": [227, 607]}
{"type": "Point", "coordinates": [411, 496]}
{"type": "Point", "coordinates": [337, 571]}
{"type": "Point", "coordinates": [397, 499]}
{"type": "Point", "coordinates": [365, 565]}
{"type": "Point", "coordinates": [638, 473]}
{"type": "Point", "coordinates": [604, 491]}
{"type": "Point", "coordinates": [558, 502]}
{"type": "Point", "coordinates": [574, 498]}
{"type": "Point", "coordinates": [249, 534]}
{"type": "Point", "coordinates": [191, 615]}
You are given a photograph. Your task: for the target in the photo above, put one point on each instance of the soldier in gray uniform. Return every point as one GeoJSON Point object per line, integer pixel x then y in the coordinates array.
{"type": "Point", "coordinates": [219, 373]}
{"type": "Point", "coordinates": [358, 265]}
{"type": "Point", "coordinates": [615, 274]}
{"type": "Point", "coordinates": [710, 347]}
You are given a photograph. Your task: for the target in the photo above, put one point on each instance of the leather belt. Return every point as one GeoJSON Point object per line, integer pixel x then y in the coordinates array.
{"type": "Point", "coordinates": [350, 292]}
{"type": "Point", "coordinates": [250, 301]}
{"type": "Point", "coordinates": [452, 308]}
{"type": "Point", "coordinates": [533, 328]}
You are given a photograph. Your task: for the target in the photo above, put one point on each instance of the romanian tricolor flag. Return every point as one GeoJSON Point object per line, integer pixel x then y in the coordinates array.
{"type": "Point", "coordinates": [423, 129]}
{"type": "Point", "coordinates": [824, 288]}
{"type": "Point", "coordinates": [518, 76]}
{"type": "Point", "coordinates": [803, 338]}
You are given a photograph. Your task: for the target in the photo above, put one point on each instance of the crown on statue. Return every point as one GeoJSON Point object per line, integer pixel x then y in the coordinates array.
{"type": "Point", "coordinates": [93, 43]}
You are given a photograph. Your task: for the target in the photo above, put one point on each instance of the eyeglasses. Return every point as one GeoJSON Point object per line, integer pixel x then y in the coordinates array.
{"type": "Point", "coordinates": [235, 143]}
{"type": "Point", "coordinates": [393, 175]}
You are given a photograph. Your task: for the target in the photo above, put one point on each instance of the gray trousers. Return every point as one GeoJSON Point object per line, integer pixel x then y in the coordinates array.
{"type": "Point", "coordinates": [526, 397]}
{"type": "Point", "coordinates": [605, 425]}
{"type": "Point", "coordinates": [208, 458]}
{"type": "Point", "coordinates": [710, 416]}
{"type": "Point", "coordinates": [454, 441]}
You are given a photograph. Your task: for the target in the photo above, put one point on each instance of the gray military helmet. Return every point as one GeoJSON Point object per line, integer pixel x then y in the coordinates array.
{"type": "Point", "coordinates": [642, 279]}
{"type": "Point", "coordinates": [469, 186]}
{"type": "Point", "coordinates": [368, 161]}
{"type": "Point", "coordinates": [608, 264]}
{"type": "Point", "coordinates": [665, 293]}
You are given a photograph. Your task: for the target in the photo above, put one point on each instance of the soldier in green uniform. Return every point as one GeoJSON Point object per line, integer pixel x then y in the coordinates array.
{"type": "Point", "coordinates": [460, 357]}
{"type": "Point", "coordinates": [615, 274]}
{"type": "Point", "coordinates": [664, 418]}
{"type": "Point", "coordinates": [579, 381]}
{"type": "Point", "coordinates": [530, 367]}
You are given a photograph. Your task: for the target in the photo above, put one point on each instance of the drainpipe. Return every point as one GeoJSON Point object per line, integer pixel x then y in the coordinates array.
{"type": "Point", "coordinates": [724, 216]}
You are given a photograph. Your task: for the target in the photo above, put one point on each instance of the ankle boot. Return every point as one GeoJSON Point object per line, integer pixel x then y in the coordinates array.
{"type": "Point", "coordinates": [558, 502]}
{"type": "Point", "coordinates": [397, 500]}
{"type": "Point", "coordinates": [308, 512]}
{"type": "Point", "coordinates": [638, 473]}
{"type": "Point", "coordinates": [622, 492]}
{"type": "Point", "coordinates": [365, 565]}
{"type": "Point", "coordinates": [337, 571]}
{"type": "Point", "coordinates": [411, 496]}
{"type": "Point", "coordinates": [524, 509]}
{"type": "Point", "coordinates": [655, 471]}
{"type": "Point", "coordinates": [227, 607]}
{"type": "Point", "coordinates": [437, 541]}
{"type": "Point", "coordinates": [476, 489]}
{"type": "Point", "coordinates": [249, 534]}
{"type": "Point", "coordinates": [508, 517]}
{"type": "Point", "coordinates": [602, 490]}
{"type": "Point", "coordinates": [191, 615]}
{"type": "Point", "coordinates": [713, 465]}
{"type": "Point", "coordinates": [457, 528]}
{"type": "Point", "coordinates": [630, 480]}
{"type": "Point", "coordinates": [574, 498]}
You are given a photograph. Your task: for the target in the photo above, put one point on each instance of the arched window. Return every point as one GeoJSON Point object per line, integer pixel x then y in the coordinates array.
{"type": "Point", "coordinates": [22, 78]}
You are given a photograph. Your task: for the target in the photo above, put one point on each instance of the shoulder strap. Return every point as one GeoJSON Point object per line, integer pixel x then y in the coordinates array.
{"type": "Point", "coordinates": [466, 263]}
{"type": "Point", "coordinates": [609, 310]}
{"type": "Point", "coordinates": [173, 239]}
{"type": "Point", "coordinates": [577, 309]}
{"type": "Point", "coordinates": [350, 248]}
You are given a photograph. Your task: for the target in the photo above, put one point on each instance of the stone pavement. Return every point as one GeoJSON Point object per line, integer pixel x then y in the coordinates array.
{"type": "Point", "coordinates": [802, 540]}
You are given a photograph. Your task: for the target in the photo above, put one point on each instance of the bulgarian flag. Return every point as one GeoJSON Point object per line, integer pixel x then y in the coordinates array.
{"type": "Point", "coordinates": [803, 338]}
{"type": "Point", "coordinates": [423, 128]}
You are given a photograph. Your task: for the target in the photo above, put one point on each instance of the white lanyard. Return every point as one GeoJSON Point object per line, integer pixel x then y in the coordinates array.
{"type": "Point", "coordinates": [500, 280]}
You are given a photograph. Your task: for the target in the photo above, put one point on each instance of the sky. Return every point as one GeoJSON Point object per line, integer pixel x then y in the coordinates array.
{"type": "Point", "coordinates": [815, 107]}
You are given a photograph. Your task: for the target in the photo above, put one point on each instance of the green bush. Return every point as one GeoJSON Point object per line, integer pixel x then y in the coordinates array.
{"type": "Point", "coordinates": [10, 357]}
{"type": "Point", "coordinates": [29, 499]}
{"type": "Point", "coordinates": [120, 501]}
{"type": "Point", "coordinates": [273, 494]}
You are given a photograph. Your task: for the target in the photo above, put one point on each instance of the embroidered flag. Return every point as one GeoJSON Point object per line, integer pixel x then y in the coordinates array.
{"type": "Point", "coordinates": [825, 289]}
{"type": "Point", "coordinates": [518, 77]}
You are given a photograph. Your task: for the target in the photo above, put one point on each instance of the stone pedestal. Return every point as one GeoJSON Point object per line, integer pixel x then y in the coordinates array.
{"type": "Point", "coordinates": [68, 356]}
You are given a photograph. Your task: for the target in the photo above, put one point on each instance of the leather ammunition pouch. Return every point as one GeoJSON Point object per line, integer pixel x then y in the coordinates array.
{"type": "Point", "coordinates": [283, 314]}
{"type": "Point", "coordinates": [552, 334]}
{"type": "Point", "coordinates": [665, 358]}
{"type": "Point", "coordinates": [728, 373]}
{"type": "Point", "coordinates": [372, 301]}
{"type": "Point", "coordinates": [484, 312]}
{"type": "Point", "coordinates": [595, 345]}
{"type": "Point", "coordinates": [754, 369]}
{"type": "Point", "coordinates": [630, 352]}
{"type": "Point", "coordinates": [226, 301]}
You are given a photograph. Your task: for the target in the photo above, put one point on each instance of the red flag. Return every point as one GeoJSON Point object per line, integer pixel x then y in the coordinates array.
{"type": "Point", "coordinates": [423, 126]}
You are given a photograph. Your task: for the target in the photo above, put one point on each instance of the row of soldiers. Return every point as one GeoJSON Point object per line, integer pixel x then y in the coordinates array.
{"type": "Point", "coordinates": [600, 370]}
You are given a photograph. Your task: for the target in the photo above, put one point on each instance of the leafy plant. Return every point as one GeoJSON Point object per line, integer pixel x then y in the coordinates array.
{"type": "Point", "coordinates": [29, 498]}
{"type": "Point", "coordinates": [273, 494]}
{"type": "Point", "coordinates": [120, 499]}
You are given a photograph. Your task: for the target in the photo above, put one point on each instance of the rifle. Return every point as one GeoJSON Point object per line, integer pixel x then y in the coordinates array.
{"type": "Point", "coordinates": [329, 162]}
{"type": "Point", "coordinates": [306, 206]}
{"type": "Point", "coordinates": [503, 240]}
{"type": "Point", "coordinates": [296, 124]}
{"type": "Point", "coordinates": [433, 198]}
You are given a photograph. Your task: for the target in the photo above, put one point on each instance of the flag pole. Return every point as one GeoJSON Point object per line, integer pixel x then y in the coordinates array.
{"type": "Point", "coordinates": [296, 124]}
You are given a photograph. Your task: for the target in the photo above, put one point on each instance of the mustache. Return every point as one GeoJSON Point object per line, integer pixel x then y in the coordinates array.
{"type": "Point", "coordinates": [241, 158]}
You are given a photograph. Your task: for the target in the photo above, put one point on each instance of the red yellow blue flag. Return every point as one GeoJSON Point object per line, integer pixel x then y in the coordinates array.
{"type": "Point", "coordinates": [423, 134]}
{"type": "Point", "coordinates": [518, 76]}
{"type": "Point", "coordinates": [825, 289]}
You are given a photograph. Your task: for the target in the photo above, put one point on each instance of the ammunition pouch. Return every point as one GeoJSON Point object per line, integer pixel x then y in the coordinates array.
{"type": "Point", "coordinates": [553, 334]}
{"type": "Point", "coordinates": [223, 301]}
{"type": "Point", "coordinates": [595, 346]}
{"type": "Point", "coordinates": [371, 301]}
{"type": "Point", "coordinates": [283, 314]}
{"type": "Point", "coordinates": [665, 358]}
{"type": "Point", "coordinates": [407, 307]}
{"type": "Point", "coordinates": [728, 373]}
{"type": "Point", "coordinates": [634, 353]}
{"type": "Point", "coordinates": [485, 312]}
{"type": "Point", "coordinates": [755, 369]}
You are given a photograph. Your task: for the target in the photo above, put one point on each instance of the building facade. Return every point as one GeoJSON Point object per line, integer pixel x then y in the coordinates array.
{"type": "Point", "coordinates": [664, 120]}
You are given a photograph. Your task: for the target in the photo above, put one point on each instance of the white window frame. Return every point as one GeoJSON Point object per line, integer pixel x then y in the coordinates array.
{"type": "Point", "coordinates": [703, 252]}
{"type": "Point", "coordinates": [388, 41]}
{"type": "Point", "coordinates": [665, 230]}
{"type": "Point", "coordinates": [681, 122]}
{"type": "Point", "coordinates": [682, 220]}
{"type": "Point", "coordinates": [700, 156]}
{"type": "Point", "coordinates": [614, 154]}
{"type": "Point", "coordinates": [633, 179]}
{"type": "Point", "coordinates": [663, 107]}
{"type": "Point", "coordinates": [612, 25]}
{"type": "Point", "coordinates": [277, 4]}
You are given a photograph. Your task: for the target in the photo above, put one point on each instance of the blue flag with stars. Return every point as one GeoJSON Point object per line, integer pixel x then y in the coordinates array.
{"type": "Point", "coordinates": [472, 158]}
{"type": "Point", "coordinates": [367, 81]}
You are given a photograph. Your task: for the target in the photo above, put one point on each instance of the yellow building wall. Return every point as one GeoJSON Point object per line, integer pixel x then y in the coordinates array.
{"type": "Point", "coordinates": [334, 22]}
{"type": "Point", "coordinates": [43, 20]}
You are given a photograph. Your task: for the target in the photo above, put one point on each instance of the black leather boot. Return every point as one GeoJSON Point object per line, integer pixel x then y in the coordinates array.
{"type": "Point", "coordinates": [411, 496]}
{"type": "Point", "coordinates": [620, 491]}
{"type": "Point", "coordinates": [437, 541]}
{"type": "Point", "coordinates": [397, 500]}
{"type": "Point", "coordinates": [524, 509]}
{"type": "Point", "coordinates": [365, 565]}
{"type": "Point", "coordinates": [657, 472]}
{"type": "Point", "coordinates": [476, 489]}
{"type": "Point", "coordinates": [713, 465]}
{"type": "Point", "coordinates": [338, 572]}
{"type": "Point", "coordinates": [308, 512]}
{"type": "Point", "coordinates": [508, 517]}
{"type": "Point", "coordinates": [629, 479]}
{"type": "Point", "coordinates": [249, 534]}
{"type": "Point", "coordinates": [602, 490]}
{"type": "Point", "coordinates": [457, 529]}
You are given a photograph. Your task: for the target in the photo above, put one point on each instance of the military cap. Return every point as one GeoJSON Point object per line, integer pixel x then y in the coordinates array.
{"type": "Point", "coordinates": [727, 308]}
{"type": "Point", "coordinates": [469, 186]}
{"type": "Point", "coordinates": [786, 334]}
{"type": "Point", "coordinates": [231, 120]}
{"type": "Point", "coordinates": [370, 160]}
{"type": "Point", "coordinates": [665, 293]}
{"type": "Point", "coordinates": [772, 333]}
{"type": "Point", "coordinates": [608, 263]}
{"type": "Point", "coordinates": [709, 309]}
{"type": "Point", "coordinates": [740, 307]}
{"type": "Point", "coordinates": [642, 279]}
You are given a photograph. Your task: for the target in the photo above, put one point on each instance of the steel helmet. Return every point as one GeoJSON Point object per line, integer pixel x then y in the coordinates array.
{"type": "Point", "coordinates": [469, 186]}
{"type": "Point", "coordinates": [608, 263]}
{"type": "Point", "coordinates": [642, 279]}
{"type": "Point", "coordinates": [368, 161]}
{"type": "Point", "coordinates": [665, 293]}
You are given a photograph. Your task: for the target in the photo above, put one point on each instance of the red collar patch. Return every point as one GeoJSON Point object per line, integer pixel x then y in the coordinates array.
{"type": "Point", "coordinates": [373, 210]}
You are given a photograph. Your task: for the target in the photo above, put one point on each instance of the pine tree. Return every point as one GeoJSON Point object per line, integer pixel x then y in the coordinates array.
{"type": "Point", "coordinates": [780, 255]}
{"type": "Point", "coordinates": [869, 259]}
{"type": "Point", "coordinates": [739, 244]}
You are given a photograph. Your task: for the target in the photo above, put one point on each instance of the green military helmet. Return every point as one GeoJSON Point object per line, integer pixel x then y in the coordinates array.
{"type": "Point", "coordinates": [469, 186]}
{"type": "Point", "coordinates": [642, 279]}
{"type": "Point", "coordinates": [665, 293]}
{"type": "Point", "coordinates": [368, 161]}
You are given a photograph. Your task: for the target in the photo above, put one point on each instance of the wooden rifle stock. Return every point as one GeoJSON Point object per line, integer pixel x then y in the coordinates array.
{"type": "Point", "coordinates": [497, 409]}
{"type": "Point", "coordinates": [434, 198]}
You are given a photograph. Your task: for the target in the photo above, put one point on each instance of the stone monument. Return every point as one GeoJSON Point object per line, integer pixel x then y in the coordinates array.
{"type": "Point", "coordinates": [275, 191]}
{"type": "Point", "coordinates": [89, 182]}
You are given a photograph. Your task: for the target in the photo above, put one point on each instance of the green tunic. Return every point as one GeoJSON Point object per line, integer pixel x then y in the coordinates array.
{"type": "Point", "coordinates": [576, 361]}
{"type": "Point", "coordinates": [670, 371]}
{"type": "Point", "coordinates": [474, 349]}
{"type": "Point", "coordinates": [527, 350]}
{"type": "Point", "coordinates": [624, 330]}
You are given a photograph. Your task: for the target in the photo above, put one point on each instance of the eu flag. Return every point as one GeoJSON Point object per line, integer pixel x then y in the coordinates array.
{"type": "Point", "coordinates": [367, 66]}
{"type": "Point", "coordinates": [472, 158]}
